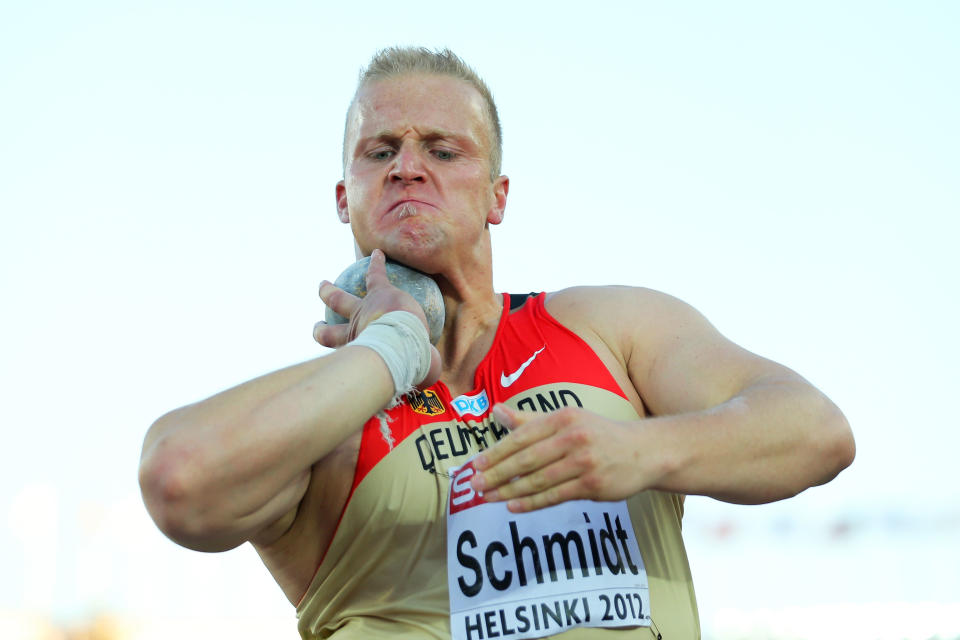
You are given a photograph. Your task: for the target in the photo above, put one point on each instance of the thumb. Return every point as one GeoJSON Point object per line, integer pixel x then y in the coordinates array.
{"type": "Point", "coordinates": [377, 270]}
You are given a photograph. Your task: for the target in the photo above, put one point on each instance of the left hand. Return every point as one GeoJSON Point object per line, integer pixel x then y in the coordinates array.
{"type": "Point", "coordinates": [570, 454]}
{"type": "Point", "coordinates": [381, 297]}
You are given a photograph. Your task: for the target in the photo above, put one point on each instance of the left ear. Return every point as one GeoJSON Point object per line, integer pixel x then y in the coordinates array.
{"type": "Point", "coordinates": [501, 186]}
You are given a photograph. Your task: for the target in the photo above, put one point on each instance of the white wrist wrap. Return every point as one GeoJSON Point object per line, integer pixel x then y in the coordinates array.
{"type": "Point", "coordinates": [400, 338]}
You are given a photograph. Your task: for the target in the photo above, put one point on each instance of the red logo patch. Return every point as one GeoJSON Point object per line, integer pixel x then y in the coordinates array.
{"type": "Point", "coordinates": [462, 495]}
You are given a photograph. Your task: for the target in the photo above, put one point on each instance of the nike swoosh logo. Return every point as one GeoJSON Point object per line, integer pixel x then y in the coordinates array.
{"type": "Point", "coordinates": [507, 380]}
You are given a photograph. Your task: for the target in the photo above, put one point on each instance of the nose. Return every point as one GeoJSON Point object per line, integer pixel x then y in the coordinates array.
{"type": "Point", "coordinates": [407, 166]}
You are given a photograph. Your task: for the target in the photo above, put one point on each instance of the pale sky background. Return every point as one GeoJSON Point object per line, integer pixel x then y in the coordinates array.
{"type": "Point", "coordinates": [166, 197]}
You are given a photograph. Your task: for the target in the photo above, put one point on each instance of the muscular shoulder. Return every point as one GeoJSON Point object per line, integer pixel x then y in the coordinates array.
{"type": "Point", "coordinates": [676, 360]}
{"type": "Point", "coordinates": [627, 327]}
{"type": "Point", "coordinates": [624, 316]}
{"type": "Point", "coordinates": [642, 330]}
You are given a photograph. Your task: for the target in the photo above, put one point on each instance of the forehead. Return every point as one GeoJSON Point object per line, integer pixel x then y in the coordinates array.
{"type": "Point", "coordinates": [420, 102]}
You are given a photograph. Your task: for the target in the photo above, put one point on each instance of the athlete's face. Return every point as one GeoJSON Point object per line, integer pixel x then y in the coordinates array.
{"type": "Point", "coordinates": [417, 169]}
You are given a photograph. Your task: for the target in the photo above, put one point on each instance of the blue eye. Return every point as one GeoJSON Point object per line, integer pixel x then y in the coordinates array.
{"type": "Point", "coordinates": [443, 154]}
{"type": "Point", "coordinates": [382, 154]}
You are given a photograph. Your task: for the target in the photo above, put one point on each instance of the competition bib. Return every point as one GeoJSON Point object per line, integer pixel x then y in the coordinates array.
{"type": "Point", "coordinates": [529, 575]}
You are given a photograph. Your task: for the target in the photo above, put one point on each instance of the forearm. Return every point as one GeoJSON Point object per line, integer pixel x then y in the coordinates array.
{"type": "Point", "coordinates": [773, 440]}
{"type": "Point", "coordinates": [223, 467]}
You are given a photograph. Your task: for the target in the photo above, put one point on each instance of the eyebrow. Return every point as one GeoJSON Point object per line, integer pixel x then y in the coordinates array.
{"type": "Point", "coordinates": [430, 136]}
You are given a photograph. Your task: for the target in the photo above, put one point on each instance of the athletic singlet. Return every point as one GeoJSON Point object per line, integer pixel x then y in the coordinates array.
{"type": "Point", "coordinates": [385, 571]}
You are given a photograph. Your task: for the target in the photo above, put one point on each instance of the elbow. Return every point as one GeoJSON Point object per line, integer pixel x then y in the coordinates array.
{"type": "Point", "coordinates": [176, 500]}
{"type": "Point", "coordinates": [165, 487]}
{"type": "Point", "coordinates": [847, 447]}
{"type": "Point", "coordinates": [835, 446]}
{"type": "Point", "coordinates": [159, 493]}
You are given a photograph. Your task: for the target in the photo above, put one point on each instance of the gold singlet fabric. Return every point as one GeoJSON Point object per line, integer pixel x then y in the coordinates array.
{"type": "Point", "coordinates": [384, 574]}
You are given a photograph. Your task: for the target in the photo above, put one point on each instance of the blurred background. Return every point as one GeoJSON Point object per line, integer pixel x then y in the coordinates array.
{"type": "Point", "coordinates": [166, 195]}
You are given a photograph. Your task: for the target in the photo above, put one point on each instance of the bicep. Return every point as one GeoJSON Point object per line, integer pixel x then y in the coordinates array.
{"type": "Point", "coordinates": [679, 362]}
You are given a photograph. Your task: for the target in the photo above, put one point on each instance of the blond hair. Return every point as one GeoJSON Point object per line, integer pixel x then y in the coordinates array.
{"type": "Point", "coordinates": [396, 61]}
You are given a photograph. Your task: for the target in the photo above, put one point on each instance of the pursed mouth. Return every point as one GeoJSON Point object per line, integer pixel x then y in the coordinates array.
{"type": "Point", "coordinates": [408, 208]}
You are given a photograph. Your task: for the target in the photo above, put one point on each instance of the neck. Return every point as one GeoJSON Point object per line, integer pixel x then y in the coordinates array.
{"type": "Point", "coordinates": [473, 313]}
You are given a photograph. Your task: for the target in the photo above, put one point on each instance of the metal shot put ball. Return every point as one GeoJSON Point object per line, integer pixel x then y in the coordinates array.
{"type": "Point", "coordinates": [418, 284]}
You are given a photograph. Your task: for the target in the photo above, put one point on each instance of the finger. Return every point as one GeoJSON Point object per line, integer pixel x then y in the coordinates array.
{"type": "Point", "coordinates": [509, 419]}
{"type": "Point", "coordinates": [556, 469]}
{"type": "Point", "coordinates": [377, 270]}
{"type": "Point", "coordinates": [331, 335]}
{"type": "Point", "coordinates": [339, 300]}
{"type": "Point", "coordinates": [569, 490]}
{"type": "Point", "coordinates": [523, 467]}
{"type": "Point", "coordinates": [515, 455]}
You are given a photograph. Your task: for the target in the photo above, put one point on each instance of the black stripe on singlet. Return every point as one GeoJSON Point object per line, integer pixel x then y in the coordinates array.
{"type": "Point", "coordinates": [517, 299]}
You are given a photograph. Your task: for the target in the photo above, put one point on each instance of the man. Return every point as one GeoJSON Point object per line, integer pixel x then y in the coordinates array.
{"type": "Point", "coordinates": [383, 511]}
